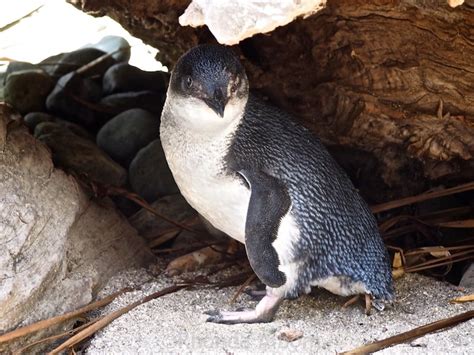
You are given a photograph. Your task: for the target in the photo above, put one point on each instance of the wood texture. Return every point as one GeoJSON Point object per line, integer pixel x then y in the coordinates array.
{"type": "Point", "coordinates": [388, 85]}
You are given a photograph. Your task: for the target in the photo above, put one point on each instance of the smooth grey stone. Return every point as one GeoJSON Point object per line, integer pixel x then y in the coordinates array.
{"type": "Point", "coordinates": [125, 134]}
{"type": "Point", "coordinates": [27, 90]}
{"type": "Point", "coordinates": [74, 60]}
{"type": "Point", "coordinates": [147, 100]}
{"type": "Point", "coordinates": [34, 118]}
{"type": "Point", "coordinates": [83, 157]}
{"type": "Point", "coordinates": [149, 174]}
{"type": "Point", "coordinates": [173, 207]}
{"type": "Point", "coordinates": [50, 64]}
{"type": "Point", "coordinates": [124, 77]}
{"type": "Point", "coordinates": [60, 126]}
{"type": "Point", "coordinates": [19, 66]}
{"type": "Point", "coordinates": [73, 98]}
{"type": "Point", "coordinates": [116, 45]}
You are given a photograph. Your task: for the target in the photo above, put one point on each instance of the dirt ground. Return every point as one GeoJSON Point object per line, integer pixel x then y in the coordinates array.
{"type": "Point", "coordinates": [176, 324]}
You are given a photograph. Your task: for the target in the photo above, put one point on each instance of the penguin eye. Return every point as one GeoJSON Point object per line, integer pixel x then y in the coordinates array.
{"type": "Point", "coordinates": [189, 82]}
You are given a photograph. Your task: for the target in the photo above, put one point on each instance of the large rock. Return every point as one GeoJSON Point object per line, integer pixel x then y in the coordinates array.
{"type": "Point", "coordinates": [233, 21]}
{"type": "Point", "coordinates": [26, 90]}
{"type": "Point", "coordinates": [81, 156]}
{"type": "Point", "coordinates": [74, 97]}
{"type": "Point", "coordinates": [149, 173]}
{"type": "Point", "coordinates": [392, 79]}
{"type": "Point", "coordinates": [124, 135]}
{"type": "Point", "coordinates": [124, 77]}
{"type": "Point", "coordinates": [58, 246]}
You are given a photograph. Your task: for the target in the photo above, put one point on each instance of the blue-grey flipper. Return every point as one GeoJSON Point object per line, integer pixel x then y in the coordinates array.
{"type": "Point", "coordinates": [269, 203]}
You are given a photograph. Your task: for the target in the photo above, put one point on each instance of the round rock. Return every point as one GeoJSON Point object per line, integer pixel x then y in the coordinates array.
{"type": "Point", "coordinates": [34, 118]}
{"type": "Point", "coordinates": [125, 134]}
{"type": "Point", "coordinates": [149, 174]}
{"type": "Point", "coordinates": [147, 100]}
{"type": "Point", "coordinates": [27, 90]}
{"type": "Point", "coordinates": [124, 77]}
{"type": "Point", "coordinates": [83, 157]}
{"type": "Point", "coordinates": [72, 98]}
{"type": "Point", "coordinates": [60, 126]}
{"type": "Point", "coordinates": [14, 67]}
{"type": "Point", "coordinates": [76, 59]}
{"type": "Point", "coordinates": [115, 45]}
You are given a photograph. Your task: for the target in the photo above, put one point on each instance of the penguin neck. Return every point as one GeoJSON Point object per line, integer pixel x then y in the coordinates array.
{"type": "Point", "coordinates": [193, 117]}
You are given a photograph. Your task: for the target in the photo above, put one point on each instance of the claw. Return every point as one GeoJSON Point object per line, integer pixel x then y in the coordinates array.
{"type": "Point", "coordinates": [368, 304]}
{"type": "Point", "coordinates": [216, 317]}
{"type": "Point", "coordinates": [213, 312]}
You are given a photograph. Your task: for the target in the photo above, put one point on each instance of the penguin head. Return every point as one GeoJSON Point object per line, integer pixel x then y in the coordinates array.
{"type": "Point", "coordinates": [212, 81]}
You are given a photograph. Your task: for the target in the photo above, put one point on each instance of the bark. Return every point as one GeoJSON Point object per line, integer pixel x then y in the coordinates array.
{"type": "Point", "coordinates": [387, 84]}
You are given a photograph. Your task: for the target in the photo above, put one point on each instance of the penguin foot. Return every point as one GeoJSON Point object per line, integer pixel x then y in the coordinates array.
{"type": "Point", "coordinates": [263, 313]}
{"type": "Point", "coordinates": [368, 303]}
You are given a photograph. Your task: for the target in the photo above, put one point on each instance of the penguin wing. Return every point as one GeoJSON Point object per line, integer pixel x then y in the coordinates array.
{"type": "Point", "coordinates": [269, 203]}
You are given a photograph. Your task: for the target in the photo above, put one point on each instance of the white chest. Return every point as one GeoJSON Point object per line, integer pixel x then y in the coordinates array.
{"type": "Point", "coordinates": [196, 164]}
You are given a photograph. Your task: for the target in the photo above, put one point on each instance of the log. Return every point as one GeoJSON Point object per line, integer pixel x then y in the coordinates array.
{"type": "Point", "coordinates": [386, 84]}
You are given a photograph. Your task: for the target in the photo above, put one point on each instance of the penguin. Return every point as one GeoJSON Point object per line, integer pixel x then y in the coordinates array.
{"type": "Point", "coordinates": [257, 175]}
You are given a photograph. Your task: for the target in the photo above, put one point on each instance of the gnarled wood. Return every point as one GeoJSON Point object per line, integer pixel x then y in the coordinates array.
{"type": "Point", "coordinates": [387, 83]}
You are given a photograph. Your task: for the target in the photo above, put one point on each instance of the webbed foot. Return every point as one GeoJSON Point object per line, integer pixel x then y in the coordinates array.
{"type": "Point", "coordinates": [263, 313]}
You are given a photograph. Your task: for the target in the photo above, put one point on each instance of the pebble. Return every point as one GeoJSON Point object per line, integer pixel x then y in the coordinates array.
{"type": "Point", "coordinates": [125, 134]}
{"type": "Point", "coordinates": [149, 174]}
{"type": "Point", "coordinates": [83, 157]}
{"type": "Point", "coordinates": [69, 98]}
{"type": "Point", "coordinates": [147, 100]}
{"type": "Point", "coordinates": [27, 90]}
{"type": "Point", "coordinates": [124, 77]}
{"type": "Point", "coordinates": [116, 45]}
{"type": "Point", "coordinates": [74, 60]}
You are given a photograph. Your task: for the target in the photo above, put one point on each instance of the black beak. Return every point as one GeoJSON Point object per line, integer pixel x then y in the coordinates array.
{"type": "Point", "coordinates": [217, 102]}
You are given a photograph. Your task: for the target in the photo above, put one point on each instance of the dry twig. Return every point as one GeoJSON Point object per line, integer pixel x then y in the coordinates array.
{"type": "Point", "coordinates": [101, 323]}
{"type": "Point", "coordinates": [411, 334]}
{"type": "Point", "coordinates": [423, 197]}
{"type": "Point", "coordinates": [32, 328]}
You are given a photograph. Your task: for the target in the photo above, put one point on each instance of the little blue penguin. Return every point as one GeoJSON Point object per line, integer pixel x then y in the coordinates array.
{"type": "Point", "coordinates": [254, 173]}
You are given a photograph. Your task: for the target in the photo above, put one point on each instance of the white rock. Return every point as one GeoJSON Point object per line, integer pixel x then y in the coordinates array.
{"type": "Point", "coordinates": [455, 3]}
{"type": "Point", "coordinates": [232, 21]}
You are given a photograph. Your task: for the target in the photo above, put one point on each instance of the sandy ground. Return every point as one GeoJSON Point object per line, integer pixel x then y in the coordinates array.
{"type": "Point", "coordinates": [176, 323]}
